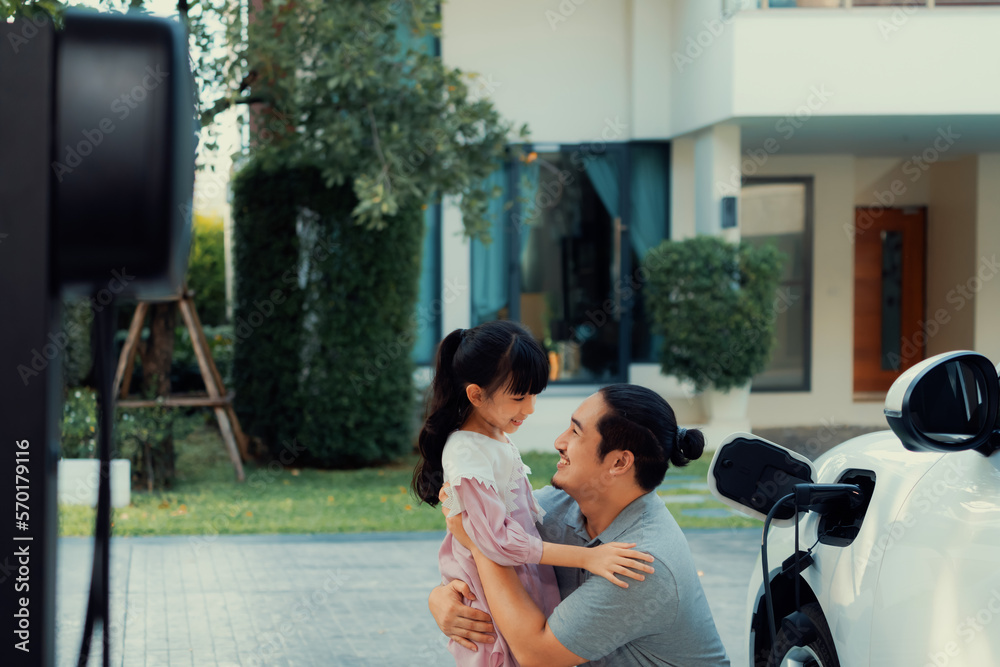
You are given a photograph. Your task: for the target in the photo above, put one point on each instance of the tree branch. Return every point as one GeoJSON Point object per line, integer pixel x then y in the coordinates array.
{"type": "Point", "coordinates": [378, 149]}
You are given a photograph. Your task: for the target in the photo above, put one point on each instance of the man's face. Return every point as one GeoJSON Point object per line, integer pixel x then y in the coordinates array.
{"type": "Point", "coordinates": [579, 471]}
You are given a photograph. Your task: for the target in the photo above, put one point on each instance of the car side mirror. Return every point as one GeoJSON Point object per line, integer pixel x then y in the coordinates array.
{"type": "Point", "coordinates": [947, 403]}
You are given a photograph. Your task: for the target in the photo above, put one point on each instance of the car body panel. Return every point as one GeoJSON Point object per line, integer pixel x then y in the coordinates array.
{"type": "Point", "coordinates": [912, 578]}
{"type": "Point", "coordinates": [939, 589]}
{"type": "Point", "coordinates": [845, 578]}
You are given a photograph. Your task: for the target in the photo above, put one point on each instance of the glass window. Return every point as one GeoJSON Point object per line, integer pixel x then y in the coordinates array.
{"type": "Point", "coordinates": [490, 279]}
{"type": "Point", "coordinates": [569, 262]}
{"type": "Point", "coordinates": [780, 213]}
{"type": "Point", "coordinates": [649, 224]}
{"type": "Point", "coordinates": [429, 304]}
{"type": "Point", "coordinates": [567, 252]}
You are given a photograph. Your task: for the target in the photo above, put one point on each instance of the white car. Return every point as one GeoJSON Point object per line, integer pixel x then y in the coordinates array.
{"type": "Point", "coordinates": [900, 569]}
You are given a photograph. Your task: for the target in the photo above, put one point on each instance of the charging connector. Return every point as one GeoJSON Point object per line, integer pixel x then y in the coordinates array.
{"type": "Point", "coordinates": [823, 498]}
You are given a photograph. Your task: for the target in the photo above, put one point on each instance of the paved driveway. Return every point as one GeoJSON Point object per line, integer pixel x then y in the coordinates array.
{"type": "Point", "coordinates": [308, 600]}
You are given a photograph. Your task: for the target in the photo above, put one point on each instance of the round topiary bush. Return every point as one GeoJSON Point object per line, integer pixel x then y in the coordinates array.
{"type": "Point", "coordinates": [714, 303]}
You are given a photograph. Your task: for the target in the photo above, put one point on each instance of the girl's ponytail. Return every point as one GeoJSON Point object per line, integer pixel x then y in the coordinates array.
{"type": "Point", "coordinates": [446, 410]}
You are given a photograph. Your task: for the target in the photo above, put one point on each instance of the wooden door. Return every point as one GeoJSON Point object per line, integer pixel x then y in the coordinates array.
{"type": "Point", "coordinates": [889, 258]}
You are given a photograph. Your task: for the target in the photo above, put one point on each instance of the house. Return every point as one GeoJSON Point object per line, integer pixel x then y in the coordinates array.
{"type": "Point", "coordinates": [863, 140]}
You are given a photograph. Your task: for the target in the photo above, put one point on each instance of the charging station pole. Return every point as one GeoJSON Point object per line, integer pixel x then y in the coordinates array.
{"type": "Point", "coordinates": [30, 358]}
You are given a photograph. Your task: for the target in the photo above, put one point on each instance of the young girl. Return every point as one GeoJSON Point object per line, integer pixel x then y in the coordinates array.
{"type": "Point", "coordinates": [484, 388]}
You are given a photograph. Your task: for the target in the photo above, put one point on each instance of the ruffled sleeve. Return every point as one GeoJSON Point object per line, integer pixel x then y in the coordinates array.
{"type": "Point", "coordinates": [502, 539]}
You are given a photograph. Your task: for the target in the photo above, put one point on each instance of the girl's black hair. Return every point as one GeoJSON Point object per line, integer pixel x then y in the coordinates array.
{"type": "Point", "coordinates": [498, 355]}
{"type": "Point", "coordinates": [640, 421]}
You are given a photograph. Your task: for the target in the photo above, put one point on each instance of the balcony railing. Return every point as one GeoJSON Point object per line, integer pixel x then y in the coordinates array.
{"type": "Point", "coordinates": [732, 6]}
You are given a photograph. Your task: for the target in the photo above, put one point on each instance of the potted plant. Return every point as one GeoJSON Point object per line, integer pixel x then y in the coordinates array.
{"type": "Point", "coordinates": [713, 303]}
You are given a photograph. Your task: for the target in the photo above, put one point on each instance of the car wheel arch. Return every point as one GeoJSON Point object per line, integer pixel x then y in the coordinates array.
{"type": "Point", "coordinates": [783, 597]}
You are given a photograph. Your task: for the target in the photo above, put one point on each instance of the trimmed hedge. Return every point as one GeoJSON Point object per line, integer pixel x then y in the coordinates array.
{"type": "Point", "coordinates": [266, 363]}
{"type": "Point", "coordinates": [330, 366]}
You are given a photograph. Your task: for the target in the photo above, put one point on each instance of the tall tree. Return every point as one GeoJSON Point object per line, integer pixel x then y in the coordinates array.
{"type": "Point", "coordinates": [352, 101]}
{"type": "Point", "coordinates": [348, 95]}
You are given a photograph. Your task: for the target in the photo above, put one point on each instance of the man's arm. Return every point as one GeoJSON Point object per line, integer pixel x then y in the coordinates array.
{"type": "Point", "coordinates": [458, 621]}
{"type": "Point", "coordinates": [520, 621]}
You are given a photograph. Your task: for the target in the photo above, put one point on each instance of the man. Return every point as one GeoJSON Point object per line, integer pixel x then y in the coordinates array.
{"type": "Point", "coordinates": [612, 457]}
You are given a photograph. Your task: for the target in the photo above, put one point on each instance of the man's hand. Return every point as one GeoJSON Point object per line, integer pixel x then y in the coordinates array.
{"type": "Point", "coordinates": [454, 521]}
{"type": "Point", "coordinates": [458, 621]}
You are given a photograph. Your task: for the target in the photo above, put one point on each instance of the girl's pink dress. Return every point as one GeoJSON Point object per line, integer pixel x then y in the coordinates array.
{"type": "Point", "coordinates": [489, 484]}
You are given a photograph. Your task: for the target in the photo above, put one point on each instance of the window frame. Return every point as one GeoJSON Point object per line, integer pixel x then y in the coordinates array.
{"type": "Point", "coordinates": [807, 283]}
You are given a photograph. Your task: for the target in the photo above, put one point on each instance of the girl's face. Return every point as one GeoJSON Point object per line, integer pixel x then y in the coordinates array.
{"type": "Point", "coordinates": [501, 413]}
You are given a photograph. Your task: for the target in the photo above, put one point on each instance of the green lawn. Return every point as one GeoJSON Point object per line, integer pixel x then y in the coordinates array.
{"type": "Point", "coordinates": [206, 499]}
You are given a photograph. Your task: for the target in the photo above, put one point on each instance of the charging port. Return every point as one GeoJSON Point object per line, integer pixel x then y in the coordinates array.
{"type": "Point", "coordinates": [840, 526]}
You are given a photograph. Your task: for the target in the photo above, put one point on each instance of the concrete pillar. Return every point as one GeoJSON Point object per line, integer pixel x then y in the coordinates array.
{"type": "Point", "coordinates": [717, 159]}
{"type": "Point", "coordinates": [682, 184]}
{"type": "Point", "coordinates": [983, 278]}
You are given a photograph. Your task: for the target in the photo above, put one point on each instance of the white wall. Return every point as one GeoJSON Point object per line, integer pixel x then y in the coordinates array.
{"type": "Point", "coordinates": [820, 62]}
{"type": "Point", "coordinates": [987, 324]}
{"type": "Point", "coordinates": [701, 89]}
{"type": "Point", "coordinates": [929, 60]}
{"type": "Point", "coordinates": [562, 67]}
{"type": "Point", "coordinates": [652, 69]}
{"type": "Point", "coordinates": [951, 251]}
{"type": "Point", "coordinates": [888, 181]}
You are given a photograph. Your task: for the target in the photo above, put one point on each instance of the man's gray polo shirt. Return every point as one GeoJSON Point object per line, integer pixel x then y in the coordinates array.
{"type": "Point", "coordinates": [664, 620]}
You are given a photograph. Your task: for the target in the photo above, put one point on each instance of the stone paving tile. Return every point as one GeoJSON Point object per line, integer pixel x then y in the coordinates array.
{"type": "Point", "coordinates": [307, 601]}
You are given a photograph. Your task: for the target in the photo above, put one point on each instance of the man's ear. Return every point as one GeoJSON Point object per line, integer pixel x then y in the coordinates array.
{"type": "Point", "coordinates": [475, 394]}
{"type": "Point", "coordinates": [622, 462]}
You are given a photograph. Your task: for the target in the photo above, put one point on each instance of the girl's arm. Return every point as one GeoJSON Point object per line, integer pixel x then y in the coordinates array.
{"type": "Point", "coordinates": [484, 517]}
{"type": "Point", "coordinates": [605, 560]}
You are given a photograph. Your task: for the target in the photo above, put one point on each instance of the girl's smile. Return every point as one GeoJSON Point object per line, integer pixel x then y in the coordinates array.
{"type": "Point", "coordinates": [500, 414]}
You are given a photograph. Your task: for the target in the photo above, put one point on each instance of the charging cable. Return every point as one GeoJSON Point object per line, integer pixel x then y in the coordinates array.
{"type": "Point", "coordinates": [820, 498]}
{"type": "Point", "coordinates": [97, 603]}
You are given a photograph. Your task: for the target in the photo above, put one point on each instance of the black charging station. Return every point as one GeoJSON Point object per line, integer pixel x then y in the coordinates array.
{"type": "Point", "coordinates": [97, 152]}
